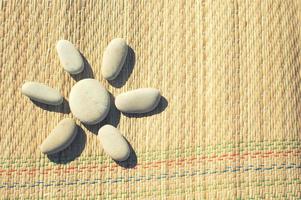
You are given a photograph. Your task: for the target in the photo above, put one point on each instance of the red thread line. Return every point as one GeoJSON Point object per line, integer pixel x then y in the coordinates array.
{"type": "Point", "coordinates": [180, 162]}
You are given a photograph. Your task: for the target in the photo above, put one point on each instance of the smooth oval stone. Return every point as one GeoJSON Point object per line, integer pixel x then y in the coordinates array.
{"type": "Point", "coordinates": [70, 57]}
{"type": "Point", "coordinates": [113, 58]}
{"type": "Point", "coordinates": [113, 143]}
{"type": "Point", "coordinates": [60, 137]}
{"type": "Point", "coordinates": [138, 101]}
{"type": "Point", "coordinates": [89, 101]}
{"type": "Point", "coordinates": [42, 93]}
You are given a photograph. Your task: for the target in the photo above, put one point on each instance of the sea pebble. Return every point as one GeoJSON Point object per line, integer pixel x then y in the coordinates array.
{"type": "Point", "coordinates": [89, 101]}
{"type": "Point", "coordinates": [138, 101]}
{"type": "Point", "coordinates": [70, 57]}
{"type": "Point", "coordinates": [60, 137]}
{"type": "Point", "coordinates": [42, 93]}
{"type": "Point", "coordinates": [113, 143]}
{"type": "Point", "coordinates": [113, 58]}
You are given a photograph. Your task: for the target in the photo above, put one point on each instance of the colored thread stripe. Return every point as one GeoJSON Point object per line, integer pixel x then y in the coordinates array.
{"type": "Point", "coordinates": [162, 176]}
{"type": "Point", "coordinates": [157, 164]}
{"type": "Point", "coordinates": [177, 190]}
{"type": "Point", "coordinates": [172, 153]}
{"type": "Point", "coordinates": [218, 148]}
{"type": "Point", "coordinates": [197, 188]}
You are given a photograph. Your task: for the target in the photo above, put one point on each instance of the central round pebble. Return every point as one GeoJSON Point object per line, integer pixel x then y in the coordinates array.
{"type": "Point", "coordinates": [89, 101]}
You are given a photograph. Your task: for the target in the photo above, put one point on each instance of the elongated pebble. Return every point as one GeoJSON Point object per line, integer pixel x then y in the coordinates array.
{"type": "Point", "coordinates": [113, 143]}
{"type": "Point", "coordinates": [60, 137]}
{"type": "Point", "coordinates": [113, 58]}
{"type": "Point", "coordinates": [89, 101]}
{"type": "Point", "coordinates": [70, 58]}
{"type": "Point", "coordinates": [138, 101]}
{"type": "Point", "coordinates": [42, 93]}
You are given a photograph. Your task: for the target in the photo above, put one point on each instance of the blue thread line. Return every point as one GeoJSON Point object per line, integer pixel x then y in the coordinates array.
{"type": "Point", "coordinates": [236, 169]}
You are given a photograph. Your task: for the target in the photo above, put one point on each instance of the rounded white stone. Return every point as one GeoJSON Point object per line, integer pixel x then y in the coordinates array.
{"type": "Point", "coordinates": [42, 93]}
{"type": "Point", "coordinates": [70, 58]}
{"type": "Point", "coordinates": [60, 137]}
{"type": "Point", "coordinates": [113, 143]}
{"type": "Point", "coordinates": [113, 58]}
{"type": "Point", "coordinates": [89, 101]}
{"type": "Point", "coordinates": [138, 101]}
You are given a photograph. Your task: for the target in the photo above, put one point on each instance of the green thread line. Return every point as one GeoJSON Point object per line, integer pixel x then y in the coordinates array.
{"type": "Point", "coordinates": [78, 165]}
{"type": "Point", "coordinates": [198, 188]}
{"type": "Point", "coordinates": [285, 195]}
{"type": "Point", "coordinates": [102, 159]}
{"type": "Point", "coordinates": [150, 156]}
{"type": "Point", "coordinates": [163, 176]}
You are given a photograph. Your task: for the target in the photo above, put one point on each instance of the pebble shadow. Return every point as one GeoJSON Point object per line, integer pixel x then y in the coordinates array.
{"type": "Point", "coordinates": [73, 151]}
{"type": "Point", "coordinates": [86, 73]}
{"type": "Point", "coordinates": [112, 118]}
{"type": "Point", "coordinates": [126, 70]}
{"type": "Point", "coordinates": [131, 162]}
{"type": "Point", "coordinates": [62, 108]}
{"type": "Point", "coordinates": [159, 109]}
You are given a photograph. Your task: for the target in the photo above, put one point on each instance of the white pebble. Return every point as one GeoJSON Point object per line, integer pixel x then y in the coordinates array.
{"type": "Point", "coordinates": [42, 93]}
{"type": "Point", "coordinates": [138, 101]}
{"type": "Point", "coordinates": [89, 101]}
{"type": "Point", "coordinates": [113, 143]}
{"type": "Point", "coordinates": [60, 137]}
{"type": "Point", "coordinates": [113, 58]}
{"type": "Point", "coordinates": [70, 57]}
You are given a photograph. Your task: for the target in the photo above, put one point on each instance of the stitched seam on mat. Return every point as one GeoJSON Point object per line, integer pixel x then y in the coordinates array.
{"type": "Point", "coordinates": [229, 169]}
{"type": "Point", "coordinates": [157, 164]}
{"type": "Point", "coordinates": [212, 187]}
{"type": "Point", "coordinates": [217, 149]}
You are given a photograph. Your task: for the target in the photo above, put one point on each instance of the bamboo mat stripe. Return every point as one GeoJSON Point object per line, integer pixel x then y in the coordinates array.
{"type": "Point", "coordinates": [228, 169]}
{"type": "Point", "coordinates": [148, 165]}
{"type": "Point", "coordinates": [179, 193]}
{"type": "Point", "coordinates": [216, 149]}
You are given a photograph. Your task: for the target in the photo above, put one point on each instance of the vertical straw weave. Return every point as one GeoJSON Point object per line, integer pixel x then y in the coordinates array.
{"type": "Point", "coordinates": [229, 70]}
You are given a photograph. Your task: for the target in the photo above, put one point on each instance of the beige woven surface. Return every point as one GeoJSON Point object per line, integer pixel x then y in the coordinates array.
{"type": "Point", "coordinates": [229, 70]}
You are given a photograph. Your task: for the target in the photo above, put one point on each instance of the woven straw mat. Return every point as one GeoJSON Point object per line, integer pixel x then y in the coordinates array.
{"type": "Point", "coordinates": [228, 126]}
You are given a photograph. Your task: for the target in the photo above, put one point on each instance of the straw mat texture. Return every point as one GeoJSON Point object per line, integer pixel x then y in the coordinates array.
{"type": "Point", "coordinates": [229, 124]}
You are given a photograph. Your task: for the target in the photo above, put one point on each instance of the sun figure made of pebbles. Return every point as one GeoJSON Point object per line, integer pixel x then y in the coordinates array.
{"type": "Point", "coordinates": [89, 101]}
